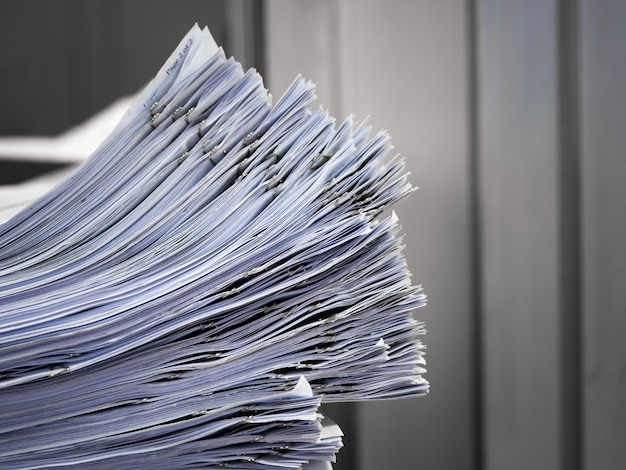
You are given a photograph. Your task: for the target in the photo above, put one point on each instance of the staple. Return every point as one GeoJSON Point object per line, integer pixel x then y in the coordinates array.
{"type": "Point", "coordinates": [153, 120]}
{"type": "Point", "coordinates": [269, 308]}
{"type": "Point", "coordinates": [200, 124]}
{"type": "Point", "coordinates": [53, 371]}
{"type": "Point", "coordinates": [183, 157]}
{"type": "Point", "coordinates": [247, 140]}
{"type": "Point", "coordinates": [189, 111]}
{"type": "Point", "coordinates": [342, 198]}
{"type": "Point", "coordinates": [318, 160]}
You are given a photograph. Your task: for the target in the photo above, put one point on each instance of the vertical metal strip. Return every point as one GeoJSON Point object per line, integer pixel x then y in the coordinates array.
{"type": "Point", "coordinates": [570, 254]}
{"type": "Point", "coordinates": [475, 276]}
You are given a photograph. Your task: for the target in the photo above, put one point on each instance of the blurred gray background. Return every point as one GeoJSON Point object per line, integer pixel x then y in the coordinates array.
{"type": "Point", "coordinates": [512, 117]}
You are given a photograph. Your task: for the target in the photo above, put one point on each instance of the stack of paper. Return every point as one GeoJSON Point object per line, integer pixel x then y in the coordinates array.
{"type": "Point", "coordinates": [192, 293]}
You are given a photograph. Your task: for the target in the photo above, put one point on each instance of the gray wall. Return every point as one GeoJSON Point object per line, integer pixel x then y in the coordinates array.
{"type": "Point", "coordinates": [511, 114]}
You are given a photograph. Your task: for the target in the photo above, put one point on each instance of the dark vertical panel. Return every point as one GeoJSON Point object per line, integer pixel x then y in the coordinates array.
{"type": "Point", "coordinates": [33, 67]}
{"type": "Point", "coordinates": [475, 235]}
{"type": "Point", "coordinates": [518, 133]}
{"type": "Point", "coordinates": [569, 235]}
{"type": "Point", "coordinates": [63, 60]}
{"type": "Point", "coordinates": [603, 124]}
{"type": "Point", "coordinates": [244, 20]}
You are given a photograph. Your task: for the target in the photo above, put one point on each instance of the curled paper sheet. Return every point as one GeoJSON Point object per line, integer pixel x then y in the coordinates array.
{"type": "Point", "coordinates": [191, 294]}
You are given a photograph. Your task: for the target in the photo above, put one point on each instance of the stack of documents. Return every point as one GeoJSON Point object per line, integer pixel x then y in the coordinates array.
{"type": "Point", "coordinates": [190, 295]}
